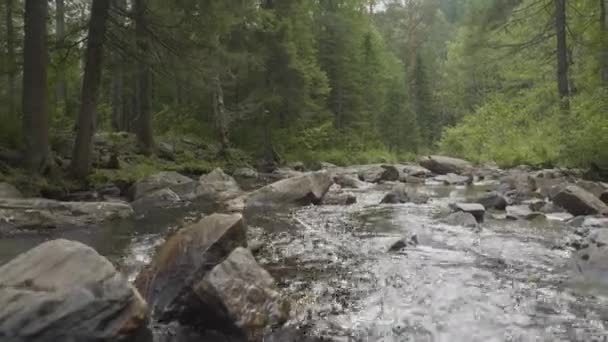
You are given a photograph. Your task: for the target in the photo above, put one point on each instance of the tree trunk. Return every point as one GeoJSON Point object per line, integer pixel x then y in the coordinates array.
{"type": "Point", "coordinates": [221, 121]}
{"type": "Point", "coordinates": [118, 81]}
{"type": "Point", "coordinates": [604, 35]}
{"type": "Point", "coordinates": [87, 117]}
{"type": "Point", "coordinates": [62, 87]}
{"type": "Point", "coordinates": [144, 122]}
{"type": "Point", "coordinates": [12, 65]}
{"type": "Point", "coordinates": [35, 102]}
{"type": "Point", "coordinates": [562, 53]}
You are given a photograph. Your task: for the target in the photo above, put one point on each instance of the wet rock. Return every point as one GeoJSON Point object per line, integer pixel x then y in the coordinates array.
{"type": "Point", "coordinates": [339, 198]}
{"type": "Point", "coordinates": [241, 293]}
{"type": "Point", "coordinates": [460, 219]}
{"type": "Point", "coordinates": [401, 194]}
{"type": "Point", "coordinates": [246, 172]}
{"type": "Point", "coordinates": [596, 188]}
{"type": "Point", "coordinates": [454, 179]}
{"type": "Point", "coordinates": [301, 190]}
{"type": "Point", "coordinates": [9, 191]}
{"type": "Point", "coordinates": [37, 213]}
{"type": "Point", "coordinates": [475, 209]}
{"type": "Point", "coordinates": [183, 261]}
{"type": "Point", "coordinates": [64, 291]}
{"type": "Point", "coordinates": [379, 173]}
{"type": "Point", "coordinates": [404, 243]}
{"type": "Point", "coordinates": [535, 204]}
{"type": "Point", "coordinates": [443, 165]}
{"type": "Point", "coordinates": [492, 200]}
{"type": "Point", "coordinates": [219, 183]}
{"type": "Point", "coordinates": [159, 199]}
{"type": "Point", "coordinates": [414, 170]}
{"type": "Point", "coordinates": [595, 222]}
{"type": "Point", "coordinates": [348, 181]}
{"type": "Point", "coordinates": [578, 201]}
{"type": "Point", "coordinates": [604, 197]}
{"type": "Point", "coordinates": [522, 212]}
{"type": "Point", "coordinates": [156, 182]}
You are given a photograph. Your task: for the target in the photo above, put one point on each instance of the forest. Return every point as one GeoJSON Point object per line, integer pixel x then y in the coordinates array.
{"type": "Point", "coordinates": [340, 81]}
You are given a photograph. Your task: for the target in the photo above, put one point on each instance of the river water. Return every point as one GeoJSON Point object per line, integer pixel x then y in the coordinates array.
{"type": "Point", "coordinates": [508, 281]}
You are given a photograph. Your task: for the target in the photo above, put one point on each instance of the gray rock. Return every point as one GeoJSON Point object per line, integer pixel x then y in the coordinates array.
{"type": "Point", "coordinates": [246, 172]}
{"type": "Point", "coordinates": [64, 291]}
{"type": "Point", "coordinates": [9, 191]}
{"type": "Point", "coordinates": [242, 293]}
{"type": "Point", "coordinates": [184, 260]}
{"type": "Point", "coordinates": [398, 194]}
{"type": "Point", "coordinates": [156, 182]}
{"type": "Point", "coordinates": [159, 199]}
{"type": "Point", "coordinates": [404, 243]}
{"type": "Point", "coordinates": [454, 179]}
{"type": "Point", "coordinates": [443, 165]}
{"type": "Point", "coordinates": [301, 190]}
{"type": "Point", "coordinates": [36, 213]}
{"type": "Point", "coordinates": [492, 200]}
{"type": "Point", "coordinates": [165, 150]}
{"type": "Point", "coordinates": [535, 204]}
{"type": "Point", "coordinates": [604, 197]}
{"type": "Point", "coordinates": [595, 222]}
{"type": "Point", "coordinates": [285, 172]}
{"type": "Point", "coordinates": [596, 188]}
{"type": "Point", "coordinates": [460, 219]}
{"type": "Point", "coordinates": [219, 183]}
{"type": "Point", "coordinates": [348, 181]}
{"type": "Point", "coordinates": [414, 170]}
{"type": "Point", "coordinates": [578, 201]}
{"type": "Point", "coordinates": [475, 209]}
{"type": "Point", "coordinates": [339, 198]}
{"type": "Point", "coordinates": [379, 173]}
{"type": "Point", "coordinates": [522, 212]}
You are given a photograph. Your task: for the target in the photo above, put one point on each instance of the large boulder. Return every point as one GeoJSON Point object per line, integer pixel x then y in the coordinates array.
{"type": "Point", "coordinates": [242, 294]}
{"type": "Point", "coordinates": [158, 181]}
{"type": "Point", "coordinates": [9, 191]}
{"type": "Point", "coordinates": [64, 291]}
{"type": "Point", "coordinates": [379, 173]}
{"type": "Point", "coordinates": [302, 190]}
{"type": "Point", "coordinates": [37, 213]}
{"type": "Point", "coordinates": [578, 201]}
{"type": "Point", "coordinates": [491, 200]}
{"type": "Point", "coordinates": [443, 165]}
{"type": "Point", "coordinates": [475, 209]}
{"type": "Point", "coordinates": [184, 260]}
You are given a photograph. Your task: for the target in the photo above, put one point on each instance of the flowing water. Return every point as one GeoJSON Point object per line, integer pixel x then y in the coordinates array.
{"type": "Point", "coordinates": [504, 282]}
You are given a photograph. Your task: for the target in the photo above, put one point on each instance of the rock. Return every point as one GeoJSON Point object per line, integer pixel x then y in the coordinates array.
{"type": "Point", "coordinates": [156, 182]}
{"type": "Point", "coordinates": [184, 260]}
{"type": "Point", "coordinates": [443, 165]}
{"type": "Point", "coordinates": [379, 173]}
{"type": "Point", "coordinates": [109, 191]}
{"type": "Point", "coordinates": [411, 179]}
{"type": "Point", "coordinates": [339, 198]}
{"type": "Point", "coordinates": [523, 212]}
{"type": "Point", "coordinates": [578, 201]}
{"type": "Point", "coordinates": [159, 199]}
{"type": "Point", "coordinates": [165, 151]}
{"type": "Point", "coordinates": [317, 166]}
{"type": "Point", "coordinates": [604, 197]}
{"type": "Point", "coordinates": [454, 179]}
{"type": "Point", "coordinates": [398, 194]}
{"type": "Point", "coordinates": [219, 183]}
{"type": "Point", "coordinates": [460, 219]}
{"type": "Point", "coordinates": [595, 222]}
{"type": "Point", "coordinates": [404, 243]}
{"type": "Point", "coordinates": [36, 213]}
{"type": "Point", "coordinates": [64, 291]}
{"type": "Point", "coordinates": [596, 188]}
{"type": "Point", "coordinates": [284, 172]}
{"type": "Point", "coordinates": [303, 190]}
{"type": "Point", "coordinates": [535, 204]}
{"type": "Point", "coordinates": [416, 171]}
{"type": "Point", "coordinates": [475, 209]}
{"type": "Point", "coordinates": [348, 181]}
{"type": "Point", "coordinates": [9, 191]}
{"type": "Point", "coordinates": [246, 172]}
{"type": "Point", "coordinates": [519, 184]}
{"type": "Point", "coordinates": [298, 166]}
{"type": "Point", "coordinates": [241, 293]}
{"type": "Point", "coordinates": [561, 217]}
{"type": "Point", "coordinates": [492, 200]}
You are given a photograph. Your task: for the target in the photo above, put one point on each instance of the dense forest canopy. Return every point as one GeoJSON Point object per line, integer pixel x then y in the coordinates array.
{"type": "Point", "coordinates": [342, 81]}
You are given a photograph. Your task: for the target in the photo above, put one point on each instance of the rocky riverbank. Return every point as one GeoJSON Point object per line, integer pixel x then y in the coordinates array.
{"type": "Point", "coordinates": [245, 267]}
